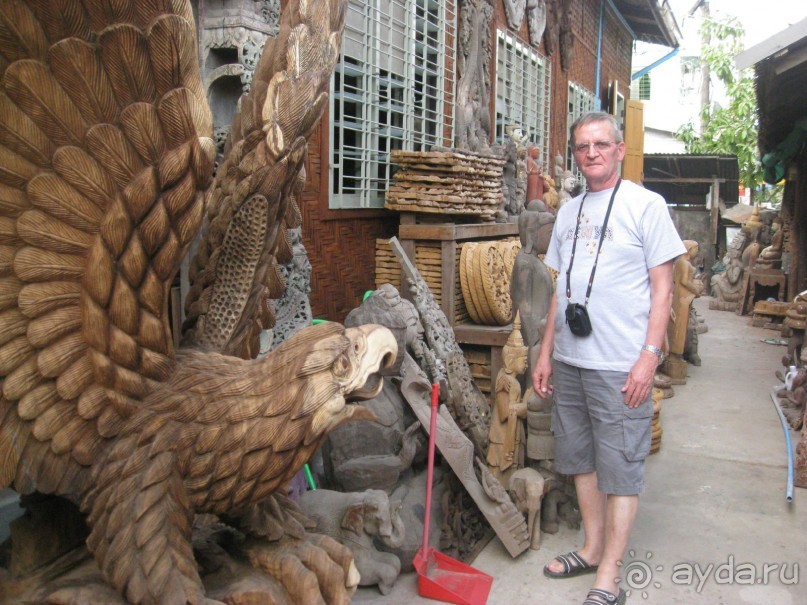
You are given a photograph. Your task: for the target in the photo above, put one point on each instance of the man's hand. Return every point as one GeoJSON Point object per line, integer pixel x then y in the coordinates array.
{"type": "Point", "coordinates": [640, 379]}
{"type": "Point", "coordinates": [541, 374]}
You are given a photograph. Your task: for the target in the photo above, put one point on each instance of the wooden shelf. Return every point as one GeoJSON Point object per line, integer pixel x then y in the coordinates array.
{"type": "Point", "coordinates": [494, 337]}
{"type": "Point", "coordinates": [449, 234]}
{"type": "Point", "coordinates": [415, 228]}
{"type": "Point", "coordinates": [474, 334]}
{"type": "Point", "coordinates": [455, 231]}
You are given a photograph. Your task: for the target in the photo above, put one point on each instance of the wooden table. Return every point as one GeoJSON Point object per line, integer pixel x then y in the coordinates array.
{"type": "Point", "coordinates": [765, 278]}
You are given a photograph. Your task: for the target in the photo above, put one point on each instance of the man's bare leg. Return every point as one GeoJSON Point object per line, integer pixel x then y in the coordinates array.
{"type": "Point", "coordinates": [607, 523]}
{"type": "Point", "coordinates": [620, 516]}
{"type": "Point", "coordinates": [592, 504]}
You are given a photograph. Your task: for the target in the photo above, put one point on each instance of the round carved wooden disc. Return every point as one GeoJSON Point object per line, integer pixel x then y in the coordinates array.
{"type": "Point", "coordinates": [478, 286]}
{"type": "Point", "coordinates": [495, 282]}
{"type": "Point", "coordinates": [466, 268]}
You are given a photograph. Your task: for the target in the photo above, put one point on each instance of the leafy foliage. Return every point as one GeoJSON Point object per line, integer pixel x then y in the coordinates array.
{"type": "Point", "coordinates": [732, 129]}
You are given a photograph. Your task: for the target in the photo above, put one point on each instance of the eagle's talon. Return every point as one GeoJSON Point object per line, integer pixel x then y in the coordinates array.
{"type": "Point", "coordinates": [312, 570]}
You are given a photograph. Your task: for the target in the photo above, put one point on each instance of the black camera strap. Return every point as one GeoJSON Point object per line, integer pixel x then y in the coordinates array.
{"type": "Point", "coordinates": [599, 247]}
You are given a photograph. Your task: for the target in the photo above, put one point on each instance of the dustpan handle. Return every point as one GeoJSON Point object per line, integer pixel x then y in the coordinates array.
{"type": "Point", "coordinates": [430, 470]}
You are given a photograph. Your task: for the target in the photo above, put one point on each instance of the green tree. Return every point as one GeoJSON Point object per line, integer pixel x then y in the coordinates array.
{"type": "Point", "coordinates": [730, 130]}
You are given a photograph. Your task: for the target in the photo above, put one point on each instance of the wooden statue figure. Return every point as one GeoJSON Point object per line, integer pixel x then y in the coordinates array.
{"type": "Point", "coordinates": [726, 286]}
{"type": "Point", "coordinates": [771, 256]}
{"type": "Point", "coordinates": [554, 9]}
{"type": "Point", "coordinates": [474, 54]}
{"type": "Point", "coordinates": [531, 284]}
{"type": "Point", "coordinates": [566, 187]}
{"type": "Point", "coordinates": [506, 439]}
{"type": "Point", "coordinates": [106, 158]}
{"type": "Point", "coordinates": [686, 288]}
{"type": "Point", "coordinates": [536, 20]}
{"type": "Point", "coordinates": [535, 181]}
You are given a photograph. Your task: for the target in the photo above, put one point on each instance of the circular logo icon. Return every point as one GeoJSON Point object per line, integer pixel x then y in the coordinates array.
{"type": "Point", "coordinates": [638, 574]}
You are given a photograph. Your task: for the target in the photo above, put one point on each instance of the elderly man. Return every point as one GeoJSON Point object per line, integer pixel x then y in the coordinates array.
{"type": "Point", "coordinates": [614, 249]}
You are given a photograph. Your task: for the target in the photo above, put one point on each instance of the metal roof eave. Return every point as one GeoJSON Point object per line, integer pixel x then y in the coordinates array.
{"type": "Point", "coordinates": [771, 46]}
{"type": "Point", "coordinates": [649, 21]}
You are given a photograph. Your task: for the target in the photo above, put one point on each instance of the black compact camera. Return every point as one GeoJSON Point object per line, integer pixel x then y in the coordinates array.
{"type": "Point", "coordinates": [578, 320]}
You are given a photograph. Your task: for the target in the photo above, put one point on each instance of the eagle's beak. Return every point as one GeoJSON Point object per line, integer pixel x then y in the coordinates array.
{"type": "Point", "coordinates": [382, 350]}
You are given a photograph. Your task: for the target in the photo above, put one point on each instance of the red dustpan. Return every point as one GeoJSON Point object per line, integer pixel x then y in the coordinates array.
{"type": "Point", "coordinates": [439, 576]}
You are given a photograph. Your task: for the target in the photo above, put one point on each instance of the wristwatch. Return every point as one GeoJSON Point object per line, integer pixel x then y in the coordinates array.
{"type": "Point", "coordinates": [655, 351]}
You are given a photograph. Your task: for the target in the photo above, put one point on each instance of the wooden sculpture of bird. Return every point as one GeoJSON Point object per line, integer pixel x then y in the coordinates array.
{"type": "Point", "coordinates": [106, 164]}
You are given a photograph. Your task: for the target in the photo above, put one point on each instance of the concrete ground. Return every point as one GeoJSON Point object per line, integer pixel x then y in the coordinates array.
{"type": "Point", "coordinates": [713, 520]}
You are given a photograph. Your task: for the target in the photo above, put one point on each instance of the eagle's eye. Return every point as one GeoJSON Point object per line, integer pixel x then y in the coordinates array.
{"type": "Point", "coordinates": [341, 366]}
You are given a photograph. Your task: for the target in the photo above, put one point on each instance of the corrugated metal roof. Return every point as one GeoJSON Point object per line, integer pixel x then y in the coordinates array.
{"type": "Point", "coordinates": [781, 93]}
{"type": "Point", "coordinates": [651, 21]}
{"type": "Point", "coordinates": [687, 178]}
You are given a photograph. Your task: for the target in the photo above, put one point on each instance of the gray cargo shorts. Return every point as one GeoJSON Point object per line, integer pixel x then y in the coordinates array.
{"type": "Point", "coordinates": [595, 431]}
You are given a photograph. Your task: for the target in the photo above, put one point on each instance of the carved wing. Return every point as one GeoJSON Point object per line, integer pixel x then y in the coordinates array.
{"type": "Point", "coordinates": [254, 198]}
{"type": "Point", "coordinates": [104, 157]}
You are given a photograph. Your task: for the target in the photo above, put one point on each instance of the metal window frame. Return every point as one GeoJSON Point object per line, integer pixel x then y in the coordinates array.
{"type": "Point", "coordinates": [581, 100]}
{"type": "Point", "coordinates": [523, 90]}
{"type": "Point", "coordinates": [644, 87]}
{"type": "Point", "coordinates": [416, 118]}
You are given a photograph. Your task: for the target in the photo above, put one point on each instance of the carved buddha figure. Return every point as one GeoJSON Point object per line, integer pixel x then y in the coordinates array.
{"type": "Point", "coordinates": [726, 285]}
{"type": "Point", "coordinates": [771, 256]}
{"type": "Point", "coordinates": [535, 181]}
{"type": "Point", "coordinates": [507, 438]}
{"type": "Point", "coordinates": [566, 187]}
{"type": "Point", "coordinates": [531, 284]}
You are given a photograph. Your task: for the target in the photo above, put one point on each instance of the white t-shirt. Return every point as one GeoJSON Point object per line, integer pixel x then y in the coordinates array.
{"type": "Point", "coordinates": [640, 235]}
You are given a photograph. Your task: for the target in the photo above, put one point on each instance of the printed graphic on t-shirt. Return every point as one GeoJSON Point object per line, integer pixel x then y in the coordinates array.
{"type": "Point", "coordinates": [589, 235]}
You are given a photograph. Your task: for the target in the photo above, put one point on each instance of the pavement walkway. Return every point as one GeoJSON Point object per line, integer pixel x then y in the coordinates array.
{"type": "Point", "coordinates": [714, 527]}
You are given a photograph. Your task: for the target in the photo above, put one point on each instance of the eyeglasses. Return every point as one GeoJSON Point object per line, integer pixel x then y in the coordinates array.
{"type": "Point", "coordinates": [600, 146]}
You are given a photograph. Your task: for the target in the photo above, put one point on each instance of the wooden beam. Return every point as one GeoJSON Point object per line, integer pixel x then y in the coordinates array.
{"type": "Point", "coordinates": [684, 180]}
{"type": "Point", "coordinates": [715, 209]}
{"type": "Point", "coordinates": [454, 231]}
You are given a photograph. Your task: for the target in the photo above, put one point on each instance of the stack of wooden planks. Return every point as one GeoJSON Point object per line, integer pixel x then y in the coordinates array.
{"type": "Point", "coordinates": [447, 182]}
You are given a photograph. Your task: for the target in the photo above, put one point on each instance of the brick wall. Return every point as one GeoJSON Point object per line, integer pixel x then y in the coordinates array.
{"type": "Point", "coordinates": [340, 244]}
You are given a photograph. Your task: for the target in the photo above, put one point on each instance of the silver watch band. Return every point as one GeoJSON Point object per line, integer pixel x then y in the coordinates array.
{"type": "Point", "coordinates": [655, 351]}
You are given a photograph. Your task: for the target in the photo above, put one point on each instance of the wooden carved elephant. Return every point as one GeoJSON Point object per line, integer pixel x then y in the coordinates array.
{"type": "Point", "coordinates": [357, 519]}
{"type": "Point", "coordinates": [527, 487]}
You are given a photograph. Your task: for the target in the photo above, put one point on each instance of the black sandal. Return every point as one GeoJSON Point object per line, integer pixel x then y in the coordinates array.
{"type": "Point", "coordinates": [573, 565]}
{"type": "Point", "coordinates": [603, 597]}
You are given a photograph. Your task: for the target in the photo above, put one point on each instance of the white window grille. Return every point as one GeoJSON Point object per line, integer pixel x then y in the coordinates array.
{"type": "Point", "coordinates": [581, 101]}
{"type": "Point", "coordinates": [391, 90]}
{"type": "Point", "coordinates": [523, 91]}
{"type": "Point", "coordinates": [641, 88]}
{"type": "Point", "coordinates": [644, 87]}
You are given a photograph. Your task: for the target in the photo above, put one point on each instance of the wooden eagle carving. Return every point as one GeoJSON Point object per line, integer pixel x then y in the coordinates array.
{"type": "Point", "coordinates": [106, 164]}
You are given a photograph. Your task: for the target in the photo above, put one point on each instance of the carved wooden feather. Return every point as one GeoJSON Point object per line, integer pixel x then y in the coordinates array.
{"type": "Point", "coordinates": [105, 164]}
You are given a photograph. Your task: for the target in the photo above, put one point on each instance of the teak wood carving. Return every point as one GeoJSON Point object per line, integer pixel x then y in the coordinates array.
{"type": "Point", "coordinates": [105, 164]}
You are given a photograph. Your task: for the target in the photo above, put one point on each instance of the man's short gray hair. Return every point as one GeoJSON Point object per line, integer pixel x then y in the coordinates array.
{"type": "Point", "coordinates": [596, 116]}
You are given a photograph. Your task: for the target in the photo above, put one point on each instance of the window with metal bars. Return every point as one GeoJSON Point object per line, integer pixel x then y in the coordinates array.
{"type": "Point", "coordinates": [581, 101]}
{"type": "Point", "coordinates": [644, 87]}
{"type": "Point", "coordinates": [522, 91]}
{"type": "Point", "coordinates": [391, 90]}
